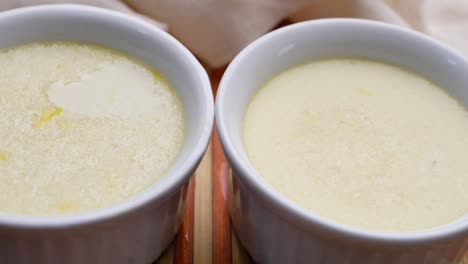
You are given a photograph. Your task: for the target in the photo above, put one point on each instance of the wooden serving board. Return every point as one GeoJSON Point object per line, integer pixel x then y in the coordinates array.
{"type": "Point", "coordinates": [206, 236]}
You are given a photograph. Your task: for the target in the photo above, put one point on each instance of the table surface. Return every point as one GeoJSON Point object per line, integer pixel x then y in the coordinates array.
{"type": "Point", "coordinates": [206, 235]}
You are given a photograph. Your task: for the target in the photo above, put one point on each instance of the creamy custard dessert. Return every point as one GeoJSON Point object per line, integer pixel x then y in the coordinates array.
{"type": "Point", "coordinates": [362, 143]}
{"type": "Point", "coordinates": [81, 127]}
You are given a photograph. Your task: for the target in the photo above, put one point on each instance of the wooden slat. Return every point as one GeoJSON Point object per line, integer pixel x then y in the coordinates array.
{"type": "Point", "coordinates": [183, 252]}
{"type": "Point", "coordinates": [203, 212]}
{"type": "Point", "coordinates": [221, 223]}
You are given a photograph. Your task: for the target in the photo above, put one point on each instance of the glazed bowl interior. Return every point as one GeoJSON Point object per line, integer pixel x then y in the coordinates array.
{"type": "Point", "coordinates": [330, 38]}
{"type": "Point", "coordinates": [140, 40]}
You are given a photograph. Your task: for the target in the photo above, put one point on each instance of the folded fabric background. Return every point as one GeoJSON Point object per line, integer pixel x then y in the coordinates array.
{"type": "Point", "coordinates": [216, 30]}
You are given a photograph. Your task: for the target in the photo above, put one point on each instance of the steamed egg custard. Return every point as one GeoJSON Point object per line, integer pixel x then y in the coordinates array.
{"type": "Point", "coordinates": [362, 143]}
{"type": "Point", "coordinates": [81, 127]}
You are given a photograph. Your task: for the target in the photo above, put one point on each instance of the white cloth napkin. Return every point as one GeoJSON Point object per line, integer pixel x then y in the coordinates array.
{"type": "Point", "coordinates": [216, 30]}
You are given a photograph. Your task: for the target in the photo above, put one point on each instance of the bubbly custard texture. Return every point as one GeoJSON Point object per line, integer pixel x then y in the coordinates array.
{"type": "Point", "coordinates": [362, 143]}
{"type": "Point", "coordinates": [81, 127]}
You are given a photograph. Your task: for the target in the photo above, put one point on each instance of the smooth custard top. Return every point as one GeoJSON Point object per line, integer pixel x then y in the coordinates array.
{"type": "Point", "coordinates": [363, 143]}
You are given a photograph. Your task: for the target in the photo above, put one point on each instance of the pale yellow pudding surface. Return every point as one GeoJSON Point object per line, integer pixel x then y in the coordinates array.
{"type": "Point", "coordinates": [81, 127]}
{"type": "Point", "coordinates": [362, 143]}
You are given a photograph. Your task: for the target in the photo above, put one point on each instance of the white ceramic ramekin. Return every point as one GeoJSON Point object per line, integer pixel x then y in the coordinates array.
{"type": "Point", "coordinates": [138, 229]}
{"type": "Point", "coordinates": [273, 229]}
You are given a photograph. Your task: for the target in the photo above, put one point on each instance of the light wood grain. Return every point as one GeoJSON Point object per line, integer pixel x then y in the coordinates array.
{"type": "Point", "coordinates": [221, 222]}
{"type": "Point", "coordinates": [203, 212]}
{"type": "Point", "coordinates": [183, 251]}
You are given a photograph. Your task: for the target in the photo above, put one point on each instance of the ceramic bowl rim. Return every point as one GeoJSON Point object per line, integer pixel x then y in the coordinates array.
{"type": "Point", "coordinates": [173, 180]}
{"type": "Point", "coordinates": [282, 206]}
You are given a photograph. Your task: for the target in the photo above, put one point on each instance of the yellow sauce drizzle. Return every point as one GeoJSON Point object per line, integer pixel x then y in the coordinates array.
{"type": "Point", "coordinates": [47, 115]}
{"type": "Point", "coordinates": [3, 155]}
{"type": "Point", "coordinates": [364, 92]}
